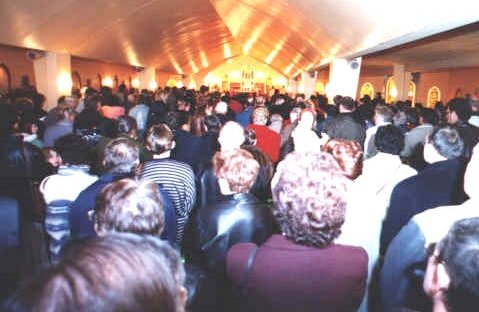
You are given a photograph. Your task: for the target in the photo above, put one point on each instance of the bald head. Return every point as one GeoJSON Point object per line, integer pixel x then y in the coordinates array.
{"type": "Point", "coordinates": [231, 136]}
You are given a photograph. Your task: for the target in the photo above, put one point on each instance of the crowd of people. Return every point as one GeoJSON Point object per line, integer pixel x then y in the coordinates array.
{"type": "Point", "coordinates": [178, 200]}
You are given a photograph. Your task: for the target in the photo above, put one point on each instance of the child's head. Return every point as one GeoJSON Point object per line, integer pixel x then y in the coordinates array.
{"type": "Point", "coordinates": [52, 157]}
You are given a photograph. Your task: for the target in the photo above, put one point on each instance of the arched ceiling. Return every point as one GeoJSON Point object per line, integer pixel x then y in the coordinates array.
{"type": "Point", "coordinates": [189, 36]}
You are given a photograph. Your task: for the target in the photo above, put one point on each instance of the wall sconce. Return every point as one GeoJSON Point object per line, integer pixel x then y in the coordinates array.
{"type": "Point", "coordinates": [107, 82]}
{"type": "Point", "coordinates": [135, 83]}
{"type": "Point", "coordinates": [64, 83]}
{"type": "Point", "coordinates": [152, 85]}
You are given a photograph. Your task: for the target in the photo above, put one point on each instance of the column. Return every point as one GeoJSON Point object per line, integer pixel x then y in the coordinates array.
{"type": "Point", "coordinates": [147, 79]}
{"type": "Point", "coordinates": [309, 80]}
{"type": "Point", "coordinates": [343, 78]}
{"type": "Point", "coordinates": [53, 76]}
{"type": "Point", "coordinates": [401, 78]}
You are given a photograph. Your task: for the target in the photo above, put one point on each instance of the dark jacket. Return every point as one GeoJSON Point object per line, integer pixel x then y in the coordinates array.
{"type": "Point", "coordinates": [440, 184]}
{"type": "Point", "coordinates": [238, 218]}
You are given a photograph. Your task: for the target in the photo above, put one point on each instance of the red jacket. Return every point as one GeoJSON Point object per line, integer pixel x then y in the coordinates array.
{"type": "Point", "coordinates": [268, 141]}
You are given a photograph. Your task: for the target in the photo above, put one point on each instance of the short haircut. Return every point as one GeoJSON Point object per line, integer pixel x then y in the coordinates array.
{"type": "Point", "coordinates": [310, 198]}
{"type": "Point", "coordinates": [260, 116]}
{"type": "Point", "coordinates": [385, 112]}
{"type": "Point", "coordinates": [459, 251]}
{"type": "Point", "coordinates": [126, 124]}
{"type": "Point", "coordinates": [389, 139]}
{"type": "Point", "coordinates": [213, 123]}
{"type": "Point", "coordinates": [447, 141]}
{"type": "Point", "coordinates": [461, 107]}
{"type": "Point", "coordinates": [429, 116]}
{"type": "Point", "coordinates": [132, 206]}
{"type": "Point", "coordinates": [348, 103]}
{"type": "Point", "coordinates": [348, 154]}
{"type": "Point", "coordinates": [117, 272]}
{"type": "Point", "coordinates": [74, 149]}
{"type": "Point", "coordinates": [237, 167]}
{"type": "Point", "coordinates": [121, 155]}
{"type": "Point", "coordinates": [344, 127]}
{"type": "Point", "coordinates": [159, 139]}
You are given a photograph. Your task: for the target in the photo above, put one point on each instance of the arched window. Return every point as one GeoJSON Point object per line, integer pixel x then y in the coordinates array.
{"type": "Point", "coordinates": [76, 80]}
{"type": "Point", "coordinates": [433, 96]}
{"type": "Point", "coordinates": [411, 93]}
{"type": "Point", "coordinates": [391, 91]}
{"type": "Point", "coordinates": [367, 89]}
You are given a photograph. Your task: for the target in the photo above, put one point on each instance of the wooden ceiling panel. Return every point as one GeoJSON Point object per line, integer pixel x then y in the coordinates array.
{"type": "Point", "coordinates": [191, 35]}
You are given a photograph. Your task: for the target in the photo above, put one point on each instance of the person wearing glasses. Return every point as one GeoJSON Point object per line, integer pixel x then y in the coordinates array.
{"type": "Point", "coordinates": [452, 274]}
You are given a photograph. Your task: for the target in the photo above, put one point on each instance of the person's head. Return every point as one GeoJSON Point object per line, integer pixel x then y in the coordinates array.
{"type": "Point", "coordinates": [127, 125]}
{"type": "Point", "coordinates": [73, 149]}
{"type": "Point", "coordinates": [452, 275]}
{"type": "Point", "coordinates": [132, 206]}
{"type": "Point", "coordinates": [231, 136]}
{"type": "Point", "coordinates": [250, 137]}
{"type": "Point", "coordinates": [309, 192]}
{"type": "Point", "coordinates": [443, 143]}
{"type": "Point", "coordinates": [212, 123]}
{"type": "Point", "coordinates": [121, 155]}
{"type": "Point", "coordinates": [52, 157]}
{"type": "Point", "coordinates": [389, 139]}
{"type": "Point", "coordinates": [345, 128]}
{"type": "Point", "coordinates": [459, 110]}
{"type": "Point", "coordinates": [428, 116]}
{"type": "Point", "coordinates": [307, 118]}
{"type": "Point", "coordinates": [294, 114]}
{"type": "Point", "coordinates": [276, 123]}
{"type": "Point", "coordinates": [236, 170]}
{"type": "Point", "coordinates": [159, 139]}
{"type": "Point", "coordinates": [117, 272]}
{"type": "Point", "coordinates": [221, 108]}
{"type": "Point", "coordinates": [348, 154]}
{"type": "Point", "coordinates": [383, 113]}
{"type": "Point", "coordinates": [346, 104]}
{"type": "Point", "coordinates": [260, 116]}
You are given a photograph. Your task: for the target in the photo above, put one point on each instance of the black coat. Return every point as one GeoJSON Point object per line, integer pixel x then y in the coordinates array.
{"type": "Point", "coordinates": [238, 218]}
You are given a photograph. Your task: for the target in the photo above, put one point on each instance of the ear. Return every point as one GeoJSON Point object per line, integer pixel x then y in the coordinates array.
{"type": "Point", "coordinates": [443, 279]}
{"type": "Point", "coordinates": [183, 294]}
{"type": "Point", "coordinates": [100, 232]}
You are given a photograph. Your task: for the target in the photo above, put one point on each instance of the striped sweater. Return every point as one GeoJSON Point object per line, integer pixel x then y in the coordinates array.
{"type": "Point", "coordinates": [178, 180]}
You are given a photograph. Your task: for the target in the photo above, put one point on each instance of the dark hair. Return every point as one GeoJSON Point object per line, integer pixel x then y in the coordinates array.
{"type": "Point", "coordinates": [310, 198]}
{"type": "Point", "coordinates": [461, 107]}
{"type": "Point", "coordinates": [447, 142]}
{"type": "Point", "coordinates": [126, 124]}
{"type": "Point", "coordinates": [389, 139]}
{"type": "Point", "coordinates": [344, 127]}
{"type": "Point", "coordinates": [117, 272]}
{"type": "Point", "coordinates": [198, 124]}
{"type": "Point", "coordinates": [250, 137]}
{"type": "Point", "coordinates": [348, 103]}
{"type": "Point", "coordinates": [262, 185]}
{"type": "Point", "coordinates": [213, 123]}
{"type": "Point", "coordinates": [131, 206]}
{"type": "Point", "coordinates": [121, 155]}
{"type": "Point", "coordinates": [429, 116]}
{"type": "Point", "coordinates": [74, 149]}
{"type": "Point", "coordinates": [459, 251]}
